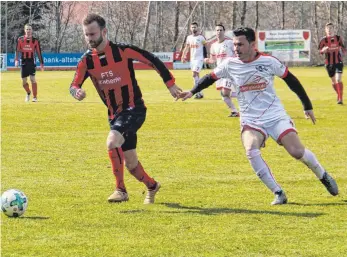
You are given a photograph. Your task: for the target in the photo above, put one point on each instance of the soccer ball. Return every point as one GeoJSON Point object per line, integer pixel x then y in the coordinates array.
{"type": "Point", "coordinates": [14, 203]}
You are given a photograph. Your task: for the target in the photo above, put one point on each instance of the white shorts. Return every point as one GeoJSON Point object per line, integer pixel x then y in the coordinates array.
{"type": "Point", "coordinates": [196, 65]}
{"type": "Point", "coordinates": [277, 129]}
{"type": "Point", "coordinates": [225, 83]}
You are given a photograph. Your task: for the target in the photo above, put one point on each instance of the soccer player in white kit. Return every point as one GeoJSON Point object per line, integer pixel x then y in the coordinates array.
{"type": "Point", "coordinates": [220, 50]}
{"type": "Point", "coordinates": [261, 112]}
{"type": "Point", "coordinates": [195, 43]}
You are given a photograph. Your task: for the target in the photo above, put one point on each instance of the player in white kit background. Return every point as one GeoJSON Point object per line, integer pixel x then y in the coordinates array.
{"type": "Point", "coordinates": [261, 112]}
{"type": "Point", "coordinates": [219, 51]}
{"type": "Point", "coordinates": [195, 44]}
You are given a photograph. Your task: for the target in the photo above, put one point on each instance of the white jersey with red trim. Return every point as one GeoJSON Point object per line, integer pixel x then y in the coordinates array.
{"type": "Point", "coordinates": [254, 85]}
{"type": "Point", "coordinates": [196, 44]}
{"type": "Point", "coordinates": [222, 50]}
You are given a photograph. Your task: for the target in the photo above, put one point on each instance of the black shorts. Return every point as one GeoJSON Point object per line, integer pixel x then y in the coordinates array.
{"type": "Point", "coordinates": [128, 122]}
{"type": "Point", "coordinates": [28, 69]}
{"type": "Point", "coordinates": [332, 69]}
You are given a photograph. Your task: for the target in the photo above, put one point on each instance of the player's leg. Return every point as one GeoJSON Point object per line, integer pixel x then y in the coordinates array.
{"type": "Point", "coordinates": [331, 73]}
{"type": "Point", "coordinates": [196, 67]}
{"type": "Point", "coordinates": [32, 72]}
{"type": "Point", "coordinates": [339, 84]}
{"type": "Point", "coordinates": [252, 141]}
{"type": "Point", "coordinates": [136, 169]}
{"type": "Point", "coordinates": [226, 96]}
{"type": "Point", "coordinates": [24, 76]}
{"type": "Point", "coordinates": [291, 142]}
{"type": "Point", "coordinates": [114, 142]}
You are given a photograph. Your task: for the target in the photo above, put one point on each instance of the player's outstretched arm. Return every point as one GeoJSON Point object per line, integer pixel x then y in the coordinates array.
{"type": "Point", "coordinates": [203, 83]}
{"type": "Point", "coordinates": [295, 85]}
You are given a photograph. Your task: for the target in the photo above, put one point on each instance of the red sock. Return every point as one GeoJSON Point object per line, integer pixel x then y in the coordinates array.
{"type": "Point", "coordinates": [140, 174]}
{"type": "Point", "coordinates": [117, 160]}
{"type": "Point", "coordinates": [26, 87]}
{"type": "Point", "coordinates": [339, 87]}
{"type": "Point", "coordinates": [334, 87]}
{"type": "Point", "coordinates": [34, 87]}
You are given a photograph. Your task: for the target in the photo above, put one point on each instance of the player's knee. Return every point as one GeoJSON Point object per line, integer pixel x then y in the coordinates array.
{"type": "Point", "coordinates": [131, 165]}
{"type": "Point", "coordinates": [114, 140]}
{"type": "Point", "coordinates": [251, 153]}
{"type": "Point", "coordinates": [296, 152]}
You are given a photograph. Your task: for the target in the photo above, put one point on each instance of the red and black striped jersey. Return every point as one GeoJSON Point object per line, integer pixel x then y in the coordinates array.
{"type": "Point", "coordinates": [27, 48]}
{"type": "Point", "coordinates": [335, 44]}
{"type": "Point", "coordinates": [113, 76]}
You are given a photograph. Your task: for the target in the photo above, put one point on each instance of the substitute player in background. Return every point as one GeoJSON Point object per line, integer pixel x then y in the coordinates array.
{"type": "Point", "coordinates": [26, 47]}
{"type": "Point", "coordinates": [262, 113]}
{"type": "Point", "coordinates": [195, 44]}
{"type": "Point", "coordinates": [110, 67]}
{"type": "Point", "coordinates": [332, 47]}
{"type": "Point", "coordinates": [219, 51]}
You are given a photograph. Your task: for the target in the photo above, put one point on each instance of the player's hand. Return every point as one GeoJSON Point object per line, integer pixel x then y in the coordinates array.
{"type": "Point", "coordinates": [42, 69]}
{"type": "Point", "coordinates": [80, 94]}
{"type": "Point", "coordinates": [325, 49]}
{"type": "Point", "coordinates": [310, 115]}
{"type": "Point", "coordinates": [207, 60]}
{"type": "Point", "coordinates": [185, 95]}
{"type": "Point", "coordinates": [183, 59]}
{"type": "Point", "coordinates": [16, 63]}
{"type": "Point", "coordinates": [175, 91]}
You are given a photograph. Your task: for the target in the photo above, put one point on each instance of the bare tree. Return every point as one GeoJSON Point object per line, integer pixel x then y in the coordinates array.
{"type": "Point", "coordinates": [234, 13]}
{"type": "Point", "coordinates": [148, 17]}
{"type": "Point", "coordinates": [256, 15]}
{"type": "Point", "coordinates": [243, 15]}
{"type": "Point", "coordinates": [283, 15]}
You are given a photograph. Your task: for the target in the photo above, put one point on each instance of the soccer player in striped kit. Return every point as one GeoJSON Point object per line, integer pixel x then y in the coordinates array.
{"type": "Point", "coordinates": [261, 111]}
{"type": "Point", "coordinates": [27, 45]}
{"type": "Point", "coordinates": [332, 47]}
{"type": "Point", "coordinates": [110, 67]}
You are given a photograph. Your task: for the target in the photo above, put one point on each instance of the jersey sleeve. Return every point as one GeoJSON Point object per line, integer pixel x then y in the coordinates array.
{"type": "Point", "coordinates": [81, 75]}
{"type": "Point", "coordinates": [38, 51]}
{"type": "Point", "coordinates": [321, 45]}
{"type": "Point", "coordinates": [278, 68]}
{"type": "Point", "coordinates": [18, 48]}
{"type": "Point", "coordinates": [135, 53]}
{"type": "Point", "coordinates": [221, 70]}
{"type": "Point", "coordinates": [343, 47]}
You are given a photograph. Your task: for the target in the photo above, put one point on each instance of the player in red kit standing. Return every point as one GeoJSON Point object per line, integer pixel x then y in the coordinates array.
{"type": "Point", "coordinates": [110, 67]}
{"type": "Point", "coordinates": [27, 45]}
{"type": "Point", "coordinates": [332, 47]}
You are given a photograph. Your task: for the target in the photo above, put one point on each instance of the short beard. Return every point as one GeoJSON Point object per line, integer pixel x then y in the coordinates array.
{"type": "Point", "coordinates": [95, 44]}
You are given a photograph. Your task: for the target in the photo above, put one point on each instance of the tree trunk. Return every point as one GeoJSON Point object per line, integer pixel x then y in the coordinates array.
{"type": "Point", "coordinates": [177, 15]}
{"type": "Point", "coordinates": [57, 25]}
{"type": "Point", "coordinates": [283, 16]}
{"type": "Point", "coordinates": [148, 17]}
{"type": "Point", "coordinates": [243, 15]}
{"type": "Point", "coordinates": [234, 14]}
{"type": "Point", "coordinates": [256, 15]}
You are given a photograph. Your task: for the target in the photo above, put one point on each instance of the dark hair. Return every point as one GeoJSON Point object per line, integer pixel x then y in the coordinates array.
{"type": "Point", "coordinates": [329, 24]}
{"type": "Point", "coordinates": [244, 31]}
{"type": "Point", "coordinates": [94, 17]}
{"type": "Point", "coordinates": [194, 23]}
{"type": "Point", "coordinates": [220, 25]}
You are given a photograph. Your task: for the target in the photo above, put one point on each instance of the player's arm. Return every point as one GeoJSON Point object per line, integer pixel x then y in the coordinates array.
{"type": "Point", "coordinates": [295, 85]}
{"type": "Point", "coordinates": [322, 48]}
{"type": "Point", "coordinates": [81, 75]}
{"type": "Point", "coordinates": [39, 53]}
{"type": "Point", "coordinates": [343, 47]}
{"type": "Point", "coordinates": [18, 47]}
{"type": "Point", "coordinates": [135, 53]}
{"type": "Point", "coordinates": [185, 51]}
{"type": "Point", "coordinates": [212, 58]}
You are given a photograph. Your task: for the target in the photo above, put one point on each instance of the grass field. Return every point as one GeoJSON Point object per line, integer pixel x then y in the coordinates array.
{"type": "Point", "coordinates": [210, 204]}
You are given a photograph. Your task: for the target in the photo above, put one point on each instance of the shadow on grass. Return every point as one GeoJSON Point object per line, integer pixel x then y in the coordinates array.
{"type": "Point", "coordinates": [33, 218]}
{"type": "Point", "coordinates": [216, 211]}
{"type": "Point", "coordinates": [320, 204]}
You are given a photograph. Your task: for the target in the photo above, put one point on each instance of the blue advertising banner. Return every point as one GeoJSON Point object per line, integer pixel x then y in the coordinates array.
{"type": "Point", "coordinates": [52, 60]}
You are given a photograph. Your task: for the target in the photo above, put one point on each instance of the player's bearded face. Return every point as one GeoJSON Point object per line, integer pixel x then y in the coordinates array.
{"type": "Point", "coordinates": [194, 29]}
{"type": "Point", "coordinates": [242, 48]}
{"type": "Point", "coordinates": [94, 35]}
{"type": "Point", "coordinates": [96, 43]}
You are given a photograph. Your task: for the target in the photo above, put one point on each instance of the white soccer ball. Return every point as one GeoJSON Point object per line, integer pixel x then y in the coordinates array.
{"type": "Point", "coordinates": [14, 203]}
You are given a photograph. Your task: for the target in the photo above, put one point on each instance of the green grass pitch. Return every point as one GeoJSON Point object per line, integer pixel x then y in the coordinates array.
{"type": "Point", "coordinates": [211, 203]}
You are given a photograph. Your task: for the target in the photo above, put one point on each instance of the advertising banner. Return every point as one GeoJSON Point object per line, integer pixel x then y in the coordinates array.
{"type": "Point", "coordinates": [286, 45]}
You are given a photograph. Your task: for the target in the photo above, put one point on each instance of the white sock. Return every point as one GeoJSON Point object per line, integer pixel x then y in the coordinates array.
{"type": "Point", "coordinates": [196, 79]}
{"type": "Point", "coordinates": [229, 103]}
{"type": "Point", "coordinates": [262, 170]}
{"type": "Point", "coordinates": [312, 163]}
